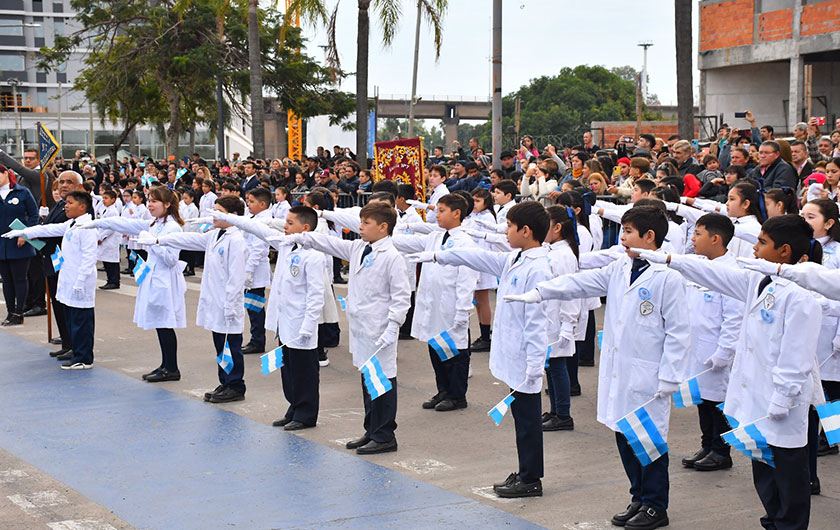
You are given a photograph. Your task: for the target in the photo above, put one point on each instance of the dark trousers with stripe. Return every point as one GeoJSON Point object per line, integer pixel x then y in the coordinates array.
{"type": "Point", "coordinates": [80, 321]}
{"type": "Point", "coordinates": [526, 410]}
{"type": "Point", "coordinates": [300, 377]}
{"type": "Point", "coordinates": [648, 484]}
{"type": "Point", "coordinates": [257, 320]}
{"type": "Point", "coordinates": [712, 425]}
{"type": "Point", "coordinates": [784, 490]}
{"type": "Point", "coordinates": [236, 378]}
{"type": "Point", "coordinates": [380, 413]}
{"type": "Point", "coordinates": [451, 376]}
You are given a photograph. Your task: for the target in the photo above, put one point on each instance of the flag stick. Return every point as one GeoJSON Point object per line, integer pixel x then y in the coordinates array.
{"type": "Point", "coordinates": [44, 203]}
{"type": "Point", "coordinates": [372, 356]}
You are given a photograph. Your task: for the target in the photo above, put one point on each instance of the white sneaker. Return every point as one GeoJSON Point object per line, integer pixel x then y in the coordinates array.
{"type": "Point", "coordinates": [70, 365]}
{"type": "Point", "coordinates": [325, 362]}
{"type": "Point", "coordinates": [469, 372]}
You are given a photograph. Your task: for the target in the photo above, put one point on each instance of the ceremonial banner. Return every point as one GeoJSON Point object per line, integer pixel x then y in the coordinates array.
{"type": "Point", "coordinates": [47, 145]}
{"type": "Point", "coordinates": [402, 162]}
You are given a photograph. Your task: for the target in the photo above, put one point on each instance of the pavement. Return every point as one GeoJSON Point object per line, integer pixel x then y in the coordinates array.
{"type": "Point", "coordinates": [101, 449]}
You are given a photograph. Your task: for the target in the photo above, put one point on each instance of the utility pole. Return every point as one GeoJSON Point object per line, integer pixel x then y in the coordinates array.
{"type": "Point", "coordinates": [92, 142]}
{"type": "Point", "coordinates": [497, 83]}
{"type": "Point", "coordinates": [19, 141]}
{"type": "Point", "coordinates": [60, 139]}
{"type": "Point", "coordinates": [414, 75]}
{"type": "Point", "coordinates": [645, 45]}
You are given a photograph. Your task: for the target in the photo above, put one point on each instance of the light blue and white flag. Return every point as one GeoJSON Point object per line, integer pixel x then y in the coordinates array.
{"type": "Point", "coordinates": [141, 270]}
{"type": "Point", "coordinates": [642, 435]}
{"type": "Point", "coordinates": [205, 227]}
{"type": "Point", "coordinates": [133, 255]}
{"type": "Point", "coordinates": [830, 417]}
{"type": "Point", "coordinates": [498, 412]}
{"type": "Point", "coordinates": [750, 441]}
{"type": "Point", "coordinates": [272, 360]}
{"type": "Point", "coordinates": [688, 393]}
{"type": "Point", "coordinates": [732, 421]}
{"type": "Point", "coordinates": [254, 302]}
{"type": "Point", "coordinates": [57, 259]}
{"type": "Point", "coordinates": [376, 382]}
{"type": "Point", "coordinates": [225, 359]}
{"type": "Point", "coordinates": [343, 302]}
{"type": "Point", "coordinates": [444, 346]}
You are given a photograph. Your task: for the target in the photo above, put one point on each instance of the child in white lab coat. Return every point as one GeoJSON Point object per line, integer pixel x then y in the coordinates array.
{"type": "Point", "coordinates": [188, 210]}
{"type": "Point", "coordinates": [108, 250]}
{"type": "Point", "coordinates": [774, 376]}
{"type": "Point", "coordinates": [644, 354]}
{"type": "Point", "coordinates": [517, 354]}
{"type": "Point", "coordinates": [257, 270]}
{"type": "Point", "coordinates": [483, 214]}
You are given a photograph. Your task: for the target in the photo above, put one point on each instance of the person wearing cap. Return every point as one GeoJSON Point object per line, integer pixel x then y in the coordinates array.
{"type": "Point", "coordinates": [623, 165]}
{"type": "Point", "coordinates": [508, 163]}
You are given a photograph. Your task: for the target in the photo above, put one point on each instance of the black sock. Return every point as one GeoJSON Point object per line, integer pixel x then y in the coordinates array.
{"type": "Point", "coordinates": [485, 331]}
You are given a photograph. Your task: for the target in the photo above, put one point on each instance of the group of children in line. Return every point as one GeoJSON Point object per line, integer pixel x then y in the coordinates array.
{"type": "Point", "coordinates": [678, 305]}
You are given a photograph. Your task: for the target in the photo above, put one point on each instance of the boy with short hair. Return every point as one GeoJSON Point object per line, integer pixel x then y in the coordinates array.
{"type": "Point", "coordinates": [504, 194]}
{"type": "Point", "coordinates": [517, 354]}
{"type": "Point", "coordinates": [257, 270]}
{"type": "Point", "coordinates": [108, 243]}
{"type": "Point", "coordinates": [643, 355]}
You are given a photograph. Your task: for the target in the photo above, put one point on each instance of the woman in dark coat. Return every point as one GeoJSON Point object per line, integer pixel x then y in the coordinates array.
{"type": "Point", "coordinates": [16, 203]}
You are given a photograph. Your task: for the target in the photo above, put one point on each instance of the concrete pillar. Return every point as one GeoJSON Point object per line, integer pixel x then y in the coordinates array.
{"type": "Point", "coordinates": [797, 64]}
{"type": "Point", "coordinates": [450, 132]}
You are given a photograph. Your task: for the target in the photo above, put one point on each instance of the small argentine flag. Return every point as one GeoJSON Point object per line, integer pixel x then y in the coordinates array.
{"type": "Point", "coordinates": [204, 227]}
{"type": "Point", "coordinates": [732, 421]}
{"type": "Point", "coordinates": [272, 360]}
{"type": "Point", "coordinates": [375, 380]}
{"type": "Point", "coordinates": [141, 270]}
{"type": "Point", "coordinates": [225, 359]}
{"type": "Point", "coordinates": [829, 414]}
{"type": "Point", "coordinates": [498, 412]}
{"type": "Point", "coordinates": [751, 442]}
{"type": "Point", "coordinates": [643, 436]}
{"type": "Point", "coordinates": [343, 302]}
{"type": "Point", "coordinates": [444, 346]}
{"type": "Point", "coordinates": [133, 256]}
{"type": "Point", "coordinates": [254, 302]}
{"type": "Point", "coordinates": [688, 394]}
{"type": "Point", "coordinates": [57, 259]}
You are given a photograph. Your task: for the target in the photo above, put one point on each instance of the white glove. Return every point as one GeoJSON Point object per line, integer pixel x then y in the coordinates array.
{"type": "Point", "coordinates": [249, 280]}
{"type": "Point", "coordinates": [475, 234]}
{"type": "Point", "coordinates": [43, 211]}
{"type": "Point", "coordinates": [563, 342]}
{"type": "Point", "coordinates": [284, 240]}
{"type": "Point", "coordinates": [145, 238]}
{"type": "Point", "coordinates": [86, 225]}
{"type": "Point", "coordinates": [462, 319]}
{"type": "Point", "coordinates": [426, 256]}
{"type": "Point", "coordinates": [759, 265]}
{"type": "Point", "coordinates": [718, 363]}
{"type": "Point", "coordinates": [666, 389]}
{"type": "Point", "coordinates": [651, 255]}
{"type": "Point", "coordinates": [529, 297]}
{"type": "Point", "coordinates": [199, 221]}
{"type": "Point", "coordinates": [304, 335]}
{"type": "Point", "coordinates": [12, 234]}
{"type": "Point", "coordinates": [78, 292]}
{"type": "Point", "coordinates": [388, 337]}
{"type": "Point", "coordinates": [230, 314]}
{"type": "Point", "coordinates": [216, 215]}
{"type": "Point", "coordinates": [533, 374]}
{"type": "Point", "coordinates": [776, 412]}
{"type": "Point", "coordinates": [671, 206]}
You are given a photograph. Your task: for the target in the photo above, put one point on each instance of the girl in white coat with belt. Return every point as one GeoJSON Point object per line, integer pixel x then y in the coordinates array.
{"type": "Point", "coordinates": [160, 293]}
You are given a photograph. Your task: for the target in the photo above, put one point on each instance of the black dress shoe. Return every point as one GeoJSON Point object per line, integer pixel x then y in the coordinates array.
{"type": "Point", "coordinates": [109, 286]}
{"type": "Point", "coordinates": [546, 416]}
{"type": "Point", "coordinates": [699, 455]}
{"type": "Point", "coordinates": [282, 422]}
{"type": "Point", "coordinates": [66, 356]}
{"type": "Point", "coordinates": [339, 280]}
{"type": "Point", "coordinates": [517, 489]}
{"type": "Point", "coordinates": [62, 351]}
{"type": "Point", "coordinates": [823, 448]}
{"type": "Point", "coordinates": [55, 340]}
{"type": "Point", "coordinates": [451, 404]}
{"type": "Point", "coordinates": [574, 390]}
{"type": "Point", "coordinates": [189, 273]}
{"type": "Point", "coordinates": [713, 462]}
{"type": "Point", "coordinates": [374, 448]}
{"type": "Point", "coordinates": [358, 442]}
{"type": "Point", "coordinates": [507, 482]}
{"type": "Point", "coordinates": [250, 348]}
{"type": "Point", "coordinates": [815, 487]}
{"type": "Point", "coordinates": [227, 395]}
{"type": "Point", "coordinates": [126, 271]}
{"type": "Point", "coordinates": [164, 375]}
{"type": "Point", "coordinates": [620, 519]}
{"type": "Point", "coordinates": [647, 519]}
{"type": "Point", "coordinates": [12, 320]}
{"type": "Point", "coordinates": [434, 400]}
{"type": "Point", "coordinates": [480, 345]}
{"type": "Point", "coordinates": [557, 423]}
{"type": "Point", "coordinates": [208, 395]}
{"type": "Point", "coordinates": [153, 372]}
{"type": "Point", "coordinates": [586, 363]}
{"type": "Point", "coordinates": [295, 425]}
{"type": "Point", "coordinates": [35, 312]}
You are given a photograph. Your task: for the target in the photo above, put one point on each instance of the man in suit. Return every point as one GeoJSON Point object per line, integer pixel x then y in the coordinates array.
{"type": "Point", "coordinates": [801, 162]}
{"type": "Point", "coordinates": [251, 181]}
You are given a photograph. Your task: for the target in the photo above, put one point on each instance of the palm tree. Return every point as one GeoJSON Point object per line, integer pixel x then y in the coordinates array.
{"type": "Point", "coordinates": [685, 97]}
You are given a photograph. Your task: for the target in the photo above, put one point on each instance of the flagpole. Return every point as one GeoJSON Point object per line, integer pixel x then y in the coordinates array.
{"type": "Point", "coordinates": [372, 356]}
{"type": "Point", "coordinates": [747, 425]}
{"type": "Point", "coordinates": [44, 203]}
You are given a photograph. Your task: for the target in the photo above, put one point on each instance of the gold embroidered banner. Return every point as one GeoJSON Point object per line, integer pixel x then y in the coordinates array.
{"type": "Point", "coordinates": [402, 162]}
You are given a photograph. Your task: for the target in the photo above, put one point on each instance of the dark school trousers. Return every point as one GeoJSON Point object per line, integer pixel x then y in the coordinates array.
{"type": "Point", "coordinates": [36, 296]}
{"type": "Point", "coordinates": [80, 322]}
{"type": "Point", "coordinates": [300, 377]}
{"type": "Point", "coordinates": [112, 272]}
{"type": "Point", "coordinates": [557, 379]}
{"type": "Point", "coordinates": [451, 375]}
{"type": "Point", "coordinates": [784, 490]}
{"type": "Point", "coordinates": [380, 413]}
{"type": "Point", "coordinates": [648, 484]}
{"type": "Point", "coordinates": [712, 425]}
{"type": "Point", "coordinates": [405, 329]}
{"type": "Point", "coordinates": [527, 420]}
{"type": "Point", "coordinates": [235, 379]}
{"type": "Point", "coordinates": [257, 320]}
{"type": "Point", "coordinates": [59, 311]}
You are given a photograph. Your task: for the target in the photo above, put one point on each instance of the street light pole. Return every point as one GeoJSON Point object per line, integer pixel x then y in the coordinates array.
{"type": "Point", "coordinates": [497, 83]}
{"type": "Point", "coordinates": [414, 76]}
{"type": "Point", "coordinates": [18, 140]}
{"type": "Point", "coordinates": [645, 45]}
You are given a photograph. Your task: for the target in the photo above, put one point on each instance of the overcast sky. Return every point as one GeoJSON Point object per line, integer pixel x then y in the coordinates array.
{"type": "Point", "coordinates": [538, 38]}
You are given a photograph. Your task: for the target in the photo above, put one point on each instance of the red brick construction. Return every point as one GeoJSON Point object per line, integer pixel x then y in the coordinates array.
{"type": "Point", "coordinates": [820, 18]}
{"type": "Point", "coordinates": [726, 24]}
{"type": "Point", "coordinates": [615, 130]}
{"type": "Point", "coordinates": [775, 25]}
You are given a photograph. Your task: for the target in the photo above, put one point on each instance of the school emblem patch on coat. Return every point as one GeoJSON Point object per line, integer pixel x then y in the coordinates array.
{"type": "Point", "coordinates": [646, 308]}
{"type": "Point", "coordinates": [294, 270]}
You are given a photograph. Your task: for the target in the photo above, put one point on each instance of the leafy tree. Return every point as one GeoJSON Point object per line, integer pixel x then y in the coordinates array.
{"type": "Point", "coordinates": [393, 128]}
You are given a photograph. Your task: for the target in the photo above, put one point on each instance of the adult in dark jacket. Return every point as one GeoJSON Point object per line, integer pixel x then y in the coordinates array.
{"type": "Point", "coordinates": [685, 162]}
{"type": "Point", "coordinates": [16, 204]}
{"type": "Point", "coordinates": [772, 171]}
{"type": "Point", "coordinates": [30, 174]}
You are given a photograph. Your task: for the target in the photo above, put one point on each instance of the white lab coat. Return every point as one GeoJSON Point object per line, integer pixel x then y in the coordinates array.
{"type": "Point", "coordinates": [297, 296]}
{"type": "Point", "coordinates": [520, 338]}
{"type": "Point", "coordinates": [377, 294]}
{"type": "Point", "coordinates": [437, 193]}
{"type": "Point", "coordinates": [160, 298]}
{"type": "Point", "coordinates": [715, 327]}
{"type": "Point", "coordinates": [330, 313]}
{"type": "Point", "coordinates": [502, 211]}
{"type": "Point", "coordinates": [109, 246]}
{"type": "Point", "coordinates": [79, 250]}
{"type": "Point", "coordinates": [444, 291]}
{"type": "Point", "coordinates": [743, 248]}
{"type": "Point", "coordinates": [596, 229]}
{"type": "Point", "coordinates": [207, 204]}
{"type": "Point", "coordinates": [188, 211]}
{"type": "Point", "coordinates": [485, 280]}
{"type": "Point", "coordinates": [223, 281]}
{"type": "Point", "coordinates": [828, 343]}
{"type": "Point", "coordinates": [586, 244]}
{"type": "Point", "coordinates": [404, 220]}
{"type": "Point", "coordinates": [135, 212]}
{"type": "Point", "coordinates": [280, 210]}
{"type": "Point", "coordinates": [640, 348]}
{"type": "Point", "coordinates": [775, 361]}
{"type": "Point", "coordinates": [563, 315]}
{"type": "Point", "coordinates": [257, 265]}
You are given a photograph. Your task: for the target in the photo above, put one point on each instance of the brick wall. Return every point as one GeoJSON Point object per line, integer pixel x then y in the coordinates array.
{"type": "Point", "coordinates": [726, 24]}
{"type": "Point", "coordinates": [775, 25]}
{"type": "Point", "coordinates": [823, 17]}
{"type": "Point", "coordinates": [615, 130]}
